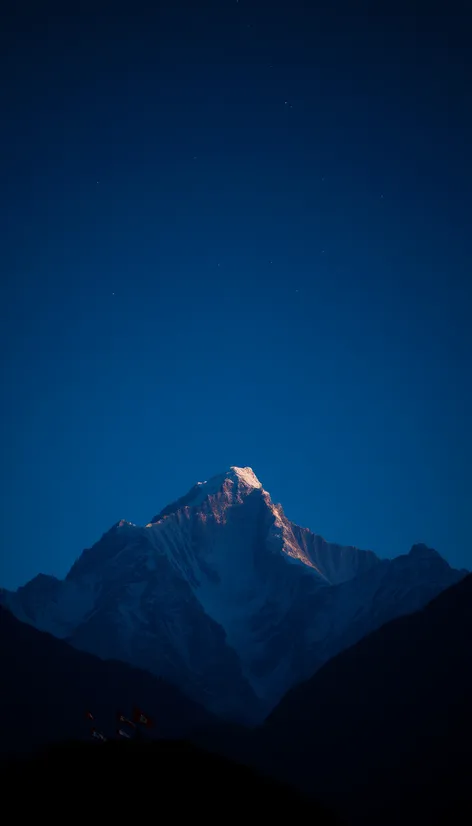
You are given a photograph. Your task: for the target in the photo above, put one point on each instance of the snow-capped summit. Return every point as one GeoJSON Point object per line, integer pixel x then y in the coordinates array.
{"type": "Point", "coordinates": [245, 475]}
{"type": "Point", "coordinates": [236, 482]}
{"type": "Point", "coordinates": [221, 594]}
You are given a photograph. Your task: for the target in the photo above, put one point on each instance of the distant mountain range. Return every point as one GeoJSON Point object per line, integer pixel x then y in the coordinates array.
{"type": "Point", "coordinates": [225, 598]}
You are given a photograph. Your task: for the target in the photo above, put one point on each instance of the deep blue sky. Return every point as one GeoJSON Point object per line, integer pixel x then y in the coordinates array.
{"type": "Point", "coordinates": [235, 233]}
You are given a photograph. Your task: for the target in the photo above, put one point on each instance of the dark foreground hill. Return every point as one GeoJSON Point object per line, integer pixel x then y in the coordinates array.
{"type": "Point", "coordinates": [385, 728]}
{"type": "Point", "coordinates": [382, 733]}
{"type": "Point", "coordinates": [161, 780]}
{"type": "Point", "coordinates": [47, 686]}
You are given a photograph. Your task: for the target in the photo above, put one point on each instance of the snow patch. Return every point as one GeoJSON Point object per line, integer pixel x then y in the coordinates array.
{"type": "Point", "coordinates": [247, 476]}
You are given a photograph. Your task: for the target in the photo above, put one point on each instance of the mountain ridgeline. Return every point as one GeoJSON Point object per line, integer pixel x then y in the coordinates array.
{"type": "Point", "coordinates": [224, 597]}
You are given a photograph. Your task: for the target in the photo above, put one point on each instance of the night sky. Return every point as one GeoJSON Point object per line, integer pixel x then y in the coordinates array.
{"type": "Point", "coordinates": [235, 233]}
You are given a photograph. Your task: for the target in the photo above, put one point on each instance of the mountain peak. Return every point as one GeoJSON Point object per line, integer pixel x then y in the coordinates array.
{"type": "Point", "coordinates": [422, 551]}
{"type": "Point", "coordinates": [222, 594]}
{"type": "Point", "coordinates": [245, 475]}
{"type": "Point", "coordinates": [236, 476]}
